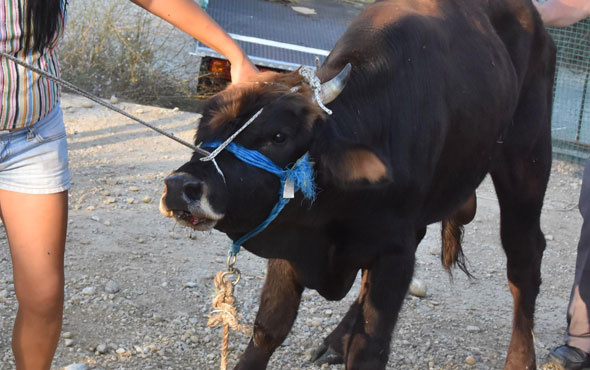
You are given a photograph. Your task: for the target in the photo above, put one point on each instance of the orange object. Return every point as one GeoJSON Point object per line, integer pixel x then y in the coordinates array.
{"type": "Point", "coordinates": [221, 68]}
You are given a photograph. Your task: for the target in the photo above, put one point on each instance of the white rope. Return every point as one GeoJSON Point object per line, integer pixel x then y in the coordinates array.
{"type": "Point", "coordinates": [213, 154]}
{"type": "Point", "coordinates": [316, 85]}
{"type": "Point", "coordinates": [218, 150]}
{"type": "Point", "coordinates": [219, 170]}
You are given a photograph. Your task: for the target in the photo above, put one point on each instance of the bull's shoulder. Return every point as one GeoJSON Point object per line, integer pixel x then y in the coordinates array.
{"type": "Point", "coordinates": [386, 27]}
{"type": "Point", "coordinates": [519, 13]}
{"type": "Point", "coordinates": [386, 13]}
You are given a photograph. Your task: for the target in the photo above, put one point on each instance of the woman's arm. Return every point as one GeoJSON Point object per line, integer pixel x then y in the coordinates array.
{"type": "Point", "coordinates": [188, 16]}
{"type": "Point", "coordinates": [562, 13]}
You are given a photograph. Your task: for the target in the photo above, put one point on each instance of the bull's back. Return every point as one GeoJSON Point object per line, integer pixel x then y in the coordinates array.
{"type": "Point", "coordinates": [434, 89]}
{"type": "Point", "coordinates": [498, 128]}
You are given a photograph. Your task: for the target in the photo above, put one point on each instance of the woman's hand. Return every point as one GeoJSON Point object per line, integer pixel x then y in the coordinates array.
{"type": "Point", "coordinates": [562, 13]}
{"type": "Point", "coordinates": [243, 70]}
{"type": "Point", "coordinates": [187, 16]}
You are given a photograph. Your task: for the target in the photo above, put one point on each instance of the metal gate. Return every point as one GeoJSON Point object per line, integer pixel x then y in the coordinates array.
{"type": "Point", "coordinates": [571, 105]}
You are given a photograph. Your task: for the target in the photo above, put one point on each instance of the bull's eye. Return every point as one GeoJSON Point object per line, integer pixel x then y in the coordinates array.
{"type": "Point", "coordinates": [279, 138]}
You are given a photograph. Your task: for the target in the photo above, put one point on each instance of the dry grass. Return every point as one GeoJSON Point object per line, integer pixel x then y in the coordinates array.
{"type": "Point", "coordinates": [119, 49]}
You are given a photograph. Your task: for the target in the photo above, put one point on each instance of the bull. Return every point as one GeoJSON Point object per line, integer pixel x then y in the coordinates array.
{"type": "Point", "coordinates": [427, 97]}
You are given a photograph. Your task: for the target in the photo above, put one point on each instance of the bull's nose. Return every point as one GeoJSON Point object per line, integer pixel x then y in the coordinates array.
{"type": "Point", "coordinates": [181, 190]}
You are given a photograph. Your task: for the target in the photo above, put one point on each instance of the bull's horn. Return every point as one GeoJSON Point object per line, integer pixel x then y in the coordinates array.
{"type": "Point", "coordinates": [331, 89]}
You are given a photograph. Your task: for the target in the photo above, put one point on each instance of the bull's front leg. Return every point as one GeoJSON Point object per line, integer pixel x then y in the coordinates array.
{"type": "Point", "coordinates": [279, 303]}
{"type": "Point", "coordinates": [384, 287]}
{"type": "Point", "coordinates": [331, 351]}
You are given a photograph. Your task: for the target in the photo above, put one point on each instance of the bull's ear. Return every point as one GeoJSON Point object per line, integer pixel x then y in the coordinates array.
{"type": "Point", "coordinates": [354, 166]}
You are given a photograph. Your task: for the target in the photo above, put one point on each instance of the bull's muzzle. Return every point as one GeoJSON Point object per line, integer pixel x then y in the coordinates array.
{"type": "Point", "coordinates": [182, 190]}
{"type": "Point", "coordinates": [185, 199]}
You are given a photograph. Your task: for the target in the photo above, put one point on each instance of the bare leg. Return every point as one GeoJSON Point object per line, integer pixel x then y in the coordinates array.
{"type": "Point", "coordinates": [36, 230]}
{"type": "Point", "coordinates": [279, 303]}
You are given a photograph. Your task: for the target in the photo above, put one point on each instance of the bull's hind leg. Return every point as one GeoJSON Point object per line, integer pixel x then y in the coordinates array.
{"type": "Point", "coordinates": [520, 180]}
{"type": "Point", "coordinates": [520, 193]}
{"type": "Point", "coordinates": [279, 303]}
{"type": "Point", "coordinates": [520, 176]}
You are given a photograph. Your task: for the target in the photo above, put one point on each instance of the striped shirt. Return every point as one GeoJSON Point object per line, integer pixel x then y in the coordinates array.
{"type": "Point", "coordinates": [25, 98]}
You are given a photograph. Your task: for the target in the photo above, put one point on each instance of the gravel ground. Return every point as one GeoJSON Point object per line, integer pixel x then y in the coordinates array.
{"type": "Point", "coordinates": [139, 287]}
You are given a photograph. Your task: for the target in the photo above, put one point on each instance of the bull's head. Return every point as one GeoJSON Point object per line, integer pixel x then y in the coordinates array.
{"type": "Point", "coordinates": [237, 196]}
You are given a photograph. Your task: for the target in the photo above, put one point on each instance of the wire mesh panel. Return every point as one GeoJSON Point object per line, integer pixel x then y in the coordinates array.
{"type": "Point", "coordinates": [571, 105]}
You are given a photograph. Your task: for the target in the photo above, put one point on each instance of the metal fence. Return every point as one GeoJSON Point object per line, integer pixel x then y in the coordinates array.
{"type": "Point", "coordinates": [571, 105]}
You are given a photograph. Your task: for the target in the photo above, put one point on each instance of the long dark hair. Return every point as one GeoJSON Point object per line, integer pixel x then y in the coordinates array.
{"type": "Point", "coordinates": [42, 16]}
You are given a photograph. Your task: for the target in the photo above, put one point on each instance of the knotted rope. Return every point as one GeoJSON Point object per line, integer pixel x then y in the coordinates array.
{"type": "Point", "coordinates": [316, 85]}
{"type": "Point", "coordinates": [224, 312]}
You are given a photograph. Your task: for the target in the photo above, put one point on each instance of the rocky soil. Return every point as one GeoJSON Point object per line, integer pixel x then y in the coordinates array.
{"type": "Point", "coordinates": [139, 287]}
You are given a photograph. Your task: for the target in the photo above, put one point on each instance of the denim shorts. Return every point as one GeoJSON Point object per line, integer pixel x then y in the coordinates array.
{"type": "Point", "coordinates": [34, 160]}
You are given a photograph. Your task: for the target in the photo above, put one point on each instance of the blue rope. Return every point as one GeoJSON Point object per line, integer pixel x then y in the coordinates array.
{"type": "Point", "coordinates": [301, 174]}
{"type": "Point", "coordinates": [235, 248]}
{"type": "Point", "coordinates": [252, 157]}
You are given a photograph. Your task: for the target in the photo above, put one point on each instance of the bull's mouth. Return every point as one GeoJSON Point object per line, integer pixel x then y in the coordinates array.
{"type": "Point", "coordinates": [197, 222]}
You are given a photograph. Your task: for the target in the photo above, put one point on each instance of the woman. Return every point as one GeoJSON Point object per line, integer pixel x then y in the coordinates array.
{"type": "Point", "coordinates": [34, 175]}
{"type": "Point", "coordinates": [563, 13]}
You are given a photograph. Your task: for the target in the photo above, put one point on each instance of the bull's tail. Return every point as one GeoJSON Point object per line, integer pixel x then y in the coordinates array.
{"type": "Point", "coordinates": [452, 235]}
{"type": "Point", "coordinates": [451, 254]}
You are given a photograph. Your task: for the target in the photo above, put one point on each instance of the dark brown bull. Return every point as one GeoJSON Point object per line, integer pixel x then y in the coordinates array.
{"type": "Point", "coordinates": [440, 94]}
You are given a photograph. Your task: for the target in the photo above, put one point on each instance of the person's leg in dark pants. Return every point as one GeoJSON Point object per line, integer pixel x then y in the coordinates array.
{"type": "Point", "coordinates": [575, 353]}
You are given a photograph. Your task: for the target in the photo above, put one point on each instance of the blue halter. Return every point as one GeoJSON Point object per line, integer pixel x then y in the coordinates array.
{"type": "Point", "coordinates": [300, 175]}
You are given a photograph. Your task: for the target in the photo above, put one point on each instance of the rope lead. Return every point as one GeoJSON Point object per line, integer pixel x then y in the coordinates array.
{"type": "Point", "coordinates": [224, 309]}
{"type": "Point", "coordinates": [98, 100]}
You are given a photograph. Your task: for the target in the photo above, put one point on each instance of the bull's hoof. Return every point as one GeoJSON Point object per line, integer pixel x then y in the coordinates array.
{"type": "Point", "coordinates": [326, 355]}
